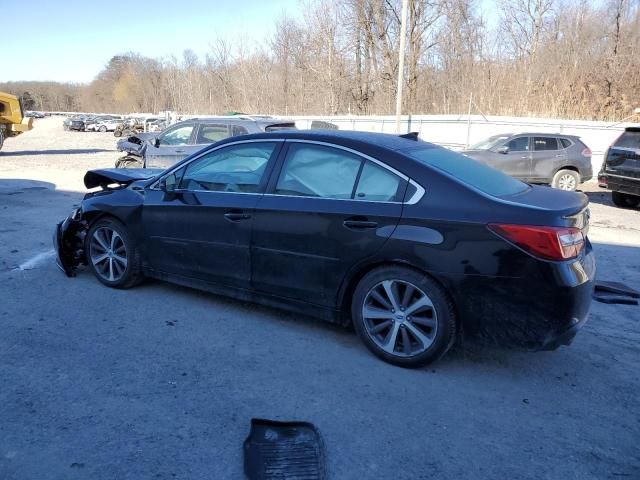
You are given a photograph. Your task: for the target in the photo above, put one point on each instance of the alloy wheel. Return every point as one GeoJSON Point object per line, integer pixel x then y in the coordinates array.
{"type": "Point", "coordinates": [108, 254]}
{"type": "Point", "coordinates": [567, 182]}
{"type": "Point", "coordinates": [400, 318]}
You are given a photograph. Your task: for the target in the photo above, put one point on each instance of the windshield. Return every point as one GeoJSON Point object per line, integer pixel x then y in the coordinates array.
{"type": "Point", "coordinates": [489, 143]}
{"type": "Point", "coordinates": [468, 171]}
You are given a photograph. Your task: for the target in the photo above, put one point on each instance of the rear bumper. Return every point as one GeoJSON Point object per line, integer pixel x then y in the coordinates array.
{"type": "Point", "coordinates": [620, 183]}
{"type": "Point", "coordinates": [541, 310]}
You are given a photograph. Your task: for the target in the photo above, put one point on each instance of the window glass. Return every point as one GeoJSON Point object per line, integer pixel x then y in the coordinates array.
{"type": "Point", "coordinates": [237, 168]}
{"type": "Point", "coordinates": [178, 136]}
{"type": "Point", "coordinates": [376, 183]}
{"type": "Point", "coordinates": [520, 144]}
{"type": "Point", "coordinates": [468, 171]}
{"type": "Point", "coordinates": [565, 142]}
{"type": "Point", "coordinates": [238, 130]}
{"type": "Point", "coordinates": [318, 171]}
{"type": "Point", "coordinates": [212, 133]}
{"type": "Point", "coordinates": [489, 143]}
{"type": "Point", "coordinates": [629, 139]}
{"type": "Point", "coordinates": [545, 143]}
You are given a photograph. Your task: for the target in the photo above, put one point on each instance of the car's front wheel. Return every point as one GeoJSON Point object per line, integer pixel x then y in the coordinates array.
{"type": "Point", "coordinates": [625, 200]}
{"type": "Point", "coordinates": [112, 254]}
{"type": "Point", "coordinates": [403, 316]}
{"type": "Point", "coordinates": [566, 180]}
{"type": "Point", "coordinates": [103, 129]}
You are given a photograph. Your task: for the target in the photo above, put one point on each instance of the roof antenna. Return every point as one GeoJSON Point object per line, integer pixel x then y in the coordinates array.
{"type": "Point", "coordinates": [410, 136]}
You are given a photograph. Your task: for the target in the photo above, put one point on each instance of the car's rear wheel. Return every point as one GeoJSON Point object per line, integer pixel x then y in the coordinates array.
{"type": "Point", "coordinates": [625, 200]}
{"type": "Point", "coordinates": [566, 180]}
{"type": "Point", "coordinates": [403, 316]}
{"type": "Point", "coordinates": [112, 254]}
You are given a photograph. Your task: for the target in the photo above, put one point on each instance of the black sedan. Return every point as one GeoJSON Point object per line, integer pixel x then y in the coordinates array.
{"type": "Point", "coordinates": [411, 243]}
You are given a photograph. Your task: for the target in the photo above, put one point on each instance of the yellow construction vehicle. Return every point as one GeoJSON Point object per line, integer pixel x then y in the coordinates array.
{"type": "Point", "coordinates": [12, 120]}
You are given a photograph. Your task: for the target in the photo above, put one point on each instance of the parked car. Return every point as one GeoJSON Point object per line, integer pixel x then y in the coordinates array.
{"type": "Point", "coordinates": [356, 228]}
{"type": "Point", "coordinates": [184, 138]}
{"type": "Point", "coordinates": [80, 122]}
{"type": "Point", "coordinates": [107, 124]}
{"type": "Point", "coordinates": [33, 114]}
{"type": "Point", "coordinates": [562, 161]}
{"type": "Point", "coordinates": [620, 170]}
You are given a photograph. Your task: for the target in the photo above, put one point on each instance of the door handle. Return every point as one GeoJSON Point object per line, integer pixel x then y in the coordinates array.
{"type": "Point", "coordinates": [179, 151]}
{"type": "Point", "coordinates": [357, 224]}
{"type": "Point", "coordinates": [236, 216]}
{"type": "Point", "coordinates": [525, 157]}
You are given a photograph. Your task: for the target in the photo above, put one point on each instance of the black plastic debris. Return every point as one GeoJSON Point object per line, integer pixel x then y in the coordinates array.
{"type": "Point", "coordinates": [615, 293]}
{"type": "Point", "coordinates": [283, 451]}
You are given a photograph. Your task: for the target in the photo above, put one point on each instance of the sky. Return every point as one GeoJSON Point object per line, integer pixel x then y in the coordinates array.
{"type": "Point", "coordinates": [72, 40]}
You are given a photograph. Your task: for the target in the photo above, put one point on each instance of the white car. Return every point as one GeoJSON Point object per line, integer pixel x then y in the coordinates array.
{"type": "Point", "coordinates": [107, 125]}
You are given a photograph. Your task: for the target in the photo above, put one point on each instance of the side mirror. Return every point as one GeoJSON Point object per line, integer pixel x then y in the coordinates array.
{"type": "Point", "coordinates": [503, 149]}
{"type": "Point", "coordinates": [168, 183]}
{"type": "Point", "coordinates": [156, 142]}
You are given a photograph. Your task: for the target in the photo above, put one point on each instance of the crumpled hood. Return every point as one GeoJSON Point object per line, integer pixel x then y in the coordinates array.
{"type": "Point", "coordinates": [122, 176]}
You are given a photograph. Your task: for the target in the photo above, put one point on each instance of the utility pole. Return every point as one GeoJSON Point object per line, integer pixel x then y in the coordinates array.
{"type": "Point", "coordinates": [403, 36]}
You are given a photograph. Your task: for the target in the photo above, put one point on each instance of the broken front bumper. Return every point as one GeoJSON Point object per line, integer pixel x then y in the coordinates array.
{"type": "Point", "coordinates": [68, 241]}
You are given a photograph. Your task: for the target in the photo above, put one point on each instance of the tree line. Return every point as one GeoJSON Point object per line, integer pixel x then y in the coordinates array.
{"type": "Point", "coordinates": [551, 58]}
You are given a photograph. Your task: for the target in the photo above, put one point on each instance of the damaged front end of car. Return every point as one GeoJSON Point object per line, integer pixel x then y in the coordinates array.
{"type": "Point", "coordinates": [70, 234]}
{"type": "Point", "coordinates": [68, 240]}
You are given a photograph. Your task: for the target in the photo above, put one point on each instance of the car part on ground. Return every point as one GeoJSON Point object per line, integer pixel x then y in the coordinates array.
{"type": "Point", "coordinates": [12, 121]}
{"type": "Point", "coordinates": [129, 161]}
{"type": "Point", "coordinates": [276, 450]}
{"type": "Point", "coordinates": [615, 293]}
{"type": "Point", "coordinates": [351, 227]}
{"type": "Point", "coordinates": [620, 170]}
{"type": "Point", "coordinates": [562, 161]}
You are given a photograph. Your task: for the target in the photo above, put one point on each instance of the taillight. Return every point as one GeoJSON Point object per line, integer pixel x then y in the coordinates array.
{"type": "Point", "coordinates": [549, 243]}
{"type": "Point", "coordinates": [586, 152]}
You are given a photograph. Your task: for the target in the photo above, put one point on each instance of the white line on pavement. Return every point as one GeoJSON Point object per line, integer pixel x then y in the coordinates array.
{"type": "Point", "coordinates": [34, 261]}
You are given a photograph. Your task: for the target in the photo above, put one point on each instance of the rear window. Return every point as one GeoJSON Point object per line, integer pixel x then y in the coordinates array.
{"type": "Point", "coordinates": [280, 126]}
{"type": "Point", "coordinates": [468, 171]}
{"type": "Point", "coordinates": [629, 139]}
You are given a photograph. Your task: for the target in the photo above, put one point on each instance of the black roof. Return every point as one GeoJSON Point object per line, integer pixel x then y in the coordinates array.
{"type": "Point", "coordinates": [344, 137]}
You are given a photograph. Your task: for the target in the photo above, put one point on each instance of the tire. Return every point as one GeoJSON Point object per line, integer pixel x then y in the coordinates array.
{"type": "Point", "coordinates": [624, 200]}
{"type": "Point", "coordinates": [428, 334]}
{"type": "Point", "coordinates": [566, 180]}
{"type": "Point", "coordinates": [117, 133]}
{"type": "Point", "coordinates": [102, 129]}
{"type": "Point", "coordinates": [110, 271]}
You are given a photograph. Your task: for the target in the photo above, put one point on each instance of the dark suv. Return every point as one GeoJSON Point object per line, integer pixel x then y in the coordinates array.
{"type": "Point", "coordinates": [561, 161]}
{"type": "Point", "coordinates": [187, 137]}
{"type": "Point", "coordinates": [620, 171]}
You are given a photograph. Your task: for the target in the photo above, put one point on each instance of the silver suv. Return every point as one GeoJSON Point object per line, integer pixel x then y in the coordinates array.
{"type": "Point", "coordinates": [563, 161]}
{"type": "Point", "coordinates": [187, 137]}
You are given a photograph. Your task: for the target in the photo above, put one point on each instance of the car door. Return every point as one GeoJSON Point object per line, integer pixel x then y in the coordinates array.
{"type": "Point", "coordinates": [169, 147]}
{"type": "Point", "coordinates": [197, 221]}
{"type": "Point", "coordinates": [515, 160]}
{"type": "Point", "coordinates": [327, 209]}
{"type": "Point", "coordinates": [547, 157]}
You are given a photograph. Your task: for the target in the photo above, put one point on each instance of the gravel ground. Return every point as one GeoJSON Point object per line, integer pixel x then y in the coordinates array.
{"type": "Point", "coordinates": [162, 381]}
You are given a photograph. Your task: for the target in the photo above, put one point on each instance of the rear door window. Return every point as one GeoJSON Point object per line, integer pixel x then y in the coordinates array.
{"type": "Point", "coordinates": [318, 171]}
{"type": "Point", "coordinates": [519, 144]}
{"type": "Point", "coordinates": [211, 133]}
{"type": "Point", "coordinates": [545, 143]}
{"type": "Point", "coordinates": [377, 184]}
